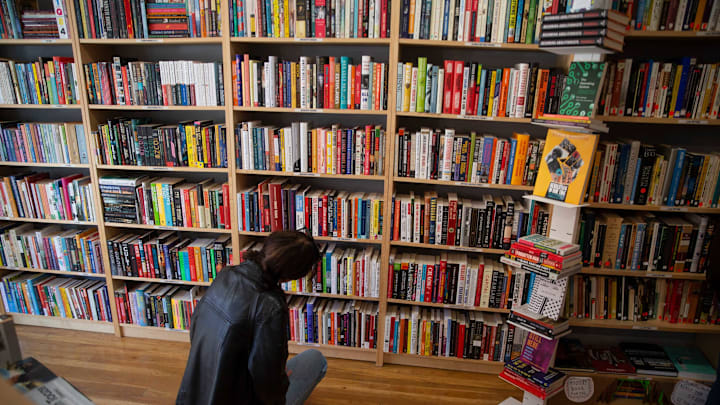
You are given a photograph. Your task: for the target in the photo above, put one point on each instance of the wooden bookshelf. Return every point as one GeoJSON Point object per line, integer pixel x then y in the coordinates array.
{"type": "Point", "coordinates": [320, 238]}
{"type": "Point", "coordinates": [30, 164]}
{"type": "Point", "coordinates": [49, 221]}
{"type": "Point", "coordinates": [344, 352]}
{"type": "Point", "coordinates": [696, 35]}
{"type": "Point", "coordinates": [59, 272]}
{"type": "Point", "coordinates": [659, 121]}
{"type": "Point", "coordinates": [152, 41]}
{"type": "Point", "coordinates": [446, 247]}
{"type": "Point", "coordinates": [652, 325]}
{"type": "Point", "coordinates": [180, 169]}
{"type": "Point", "coordinates": [333, 296]}
{"type": "Point", "coordinates": [449, 306]}
{"type": "Point", "coordinates": [635, 376]}
{"type": "Point", "coordinates": [368, 177]}
{"type": "Point", "coordinates": [469, 44]}
{"type": "Point", "coordinates": [41, 106]}
{"type": "Point", "coordinates": [43, 41]}
{"type": "Point", "coordinates": [311, 41]}
{"type": "Point", "coordinates": [310, 110]}
{"type": "Point", "coordinates": [463, 117]}
{"type": "Point", "coordinates": [167, 228]}
{"type": "Point", "coordinates": [161, 280]}
{"type": "Point", "coordinates": [62, 323]}
{"type": "Point", "coordinates": [154, 332]}
{"type": "Point", "coordinates": [654, 208]}
{"type": "Point", "coordinates": [119, 107]}
{"type": "Point", "coordinates": [509, 187]}
{"type": "Point", "coordinates": [446, 363]}
{"type": "Point", "coordinates": [645, 274]}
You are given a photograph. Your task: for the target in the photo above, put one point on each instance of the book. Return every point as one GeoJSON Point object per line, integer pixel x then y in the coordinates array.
{"type": "Point", "coordinates": [37, 195]}
{"type": "Point", "coordinates": [51, 80]}
{"type": "Point", "coordinates": [159, 305]}
{"type": "Point", "coordinates": [581, 91]}
{"type": "Point", "coordinates": [539, 352]}
{"type": "Point", "coordinates": [524, 318]}
{"type": "Point", "coordinates": [545, 382]}
{"type": "Point", "coordinates": [552, 246]}
{"type": "Point", "coordinates": [63, 143]}
{"type": "Point", "coordinates": [690, 363]}
{"type": "Point", "coordinates": [690, 16]}
{"type": "Point", "coordinates": [40, 385]}
{"type": "Point", "coordinates": [610, 360]}
{"type": "Point", "coordinates": [565, 167]}
{"type": "Point", "coordinates": [648, 359]}
{"type": "Point", "coordinates": [311, 320]}
{"type": "Point", "coordinates": [572, 355]}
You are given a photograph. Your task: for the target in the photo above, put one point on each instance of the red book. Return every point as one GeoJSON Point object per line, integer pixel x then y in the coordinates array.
{"type": "Point", "coordinates": [92, 20]}
{"type": "Point", "coordinates": [191, 260]}
{"type": "Point", "coordinates": [491, 342]}
{"type": "Point", "coordinates": [126, 86]}
{"type": "Point", "coordinates": [457, 86]}
{"type": "Point", "coordinates": [544, 254]}
{"type": "Point", "coordinates": [473, 20]}
{"type": "Point", "coordinates": [326, 86]}
{"type": "Point", "coordinates": [504, 163]}
{"type": "Point", "coordinates": [470, 107]}
{"type": "Point", "coordinates": [452, 219]}
{"type": "Point", "coordinates": [368, 149]}
{"type": "Point", "coordinates": [66, 196]}
{"type": "Point", "coordinates": [429, 283]}
{"type": "Point", "coordinates": [320, 22]}
{"type": "Point", "coordinates": [644, 78]}
{"type": "Point", "coordinates": [226, 204]}
{"type": "Point", "coordinates": [448, 87]}
{"type": "Point", "coordinates": [140, 270]}
{"type": "Point", "coordinates": [275, 189]}
{"type": "Point", "coordinates": [330, 81]}
{"type": "Point", "coordinates": [391, 271]}
{"type": "Point", "coordinates": [324, 215]}
{"type": "Point", "coordinates": [518, 381]}
{"type": "Point", "coordinates": [460, 341]}
{"type": "Point", "coordinates": [358, 81]}
{"type": "Point", "coordinates": [441, 287]}
{"type": "Point", "coordinates": [383, 23]}
{"type": "Point", "coordinates": [392, 332]}
{"type": "Point", "coordinates": [281, 87]}
{"type": "Point", "coordinates": [478, 288]}
{"type": "Point", "coordinates": [675, 304]}
{"type": "Point", "coordinates": [148, 255]}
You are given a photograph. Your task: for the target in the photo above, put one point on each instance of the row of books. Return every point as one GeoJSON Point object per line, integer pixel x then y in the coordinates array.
{"type": "Point", "coordinates": [167, 255]}
{"type": "Point", "coordinates": [33, 24]}
{"type": "Point", "coordinates": [58, 296]}
{"type": "Point", "coordinates": [274, 205]}
{"type": "Point", "coordinates": [674, 16]}
{"type": "Point", "coordinates": [332, 322]}
{"type": "Point", "coordinates": [320, 82]}
{"type": "Point", "coordinates": [473, 158]}
{"type": "Point", "coordinates": [299, 148]}
{"type": "Point", "coordinates": [176, 82]}
{"type": "Point", "coordinates": [491, 222]}
{"type": "Point", "coordinates": [664, 89]}
{"type": "Point", "coordinates": [34, 142]}
{"type": "Point", "coordinates": [47, 81]}
{"type": "Point", "coordinates": [453, 278]}
{"type": "Point", "coordinates": [646, 242]}
{"type": "Point", "coordinates": [629, 172]}
{"type": "Point", "coordinates": [165, 201]}
{"type": "Point", "coordinates": [342, 271]}
{"type": "Point", "coordinates": [159, 305]}
{"type": "Point", "coordinates": [37, 195]}
{"type": "Point", "coordinates": [51, 248]}
{"type": "Point", "coordinates": [508, 21]}
{"type": "Point", "coordinates": [642, 299]}
{"type": "Point", "coordinates": [139, 142]}
{"type": "Point", "coordinates": [447, 333]}
{"type": "Point", "coordinates": [151, 19]}
{"type": "Point", "coordinates": [310, 19]}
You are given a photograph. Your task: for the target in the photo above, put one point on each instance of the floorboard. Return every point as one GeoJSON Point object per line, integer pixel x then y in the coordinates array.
{"type": "Point", "coordinates": [127, 371]}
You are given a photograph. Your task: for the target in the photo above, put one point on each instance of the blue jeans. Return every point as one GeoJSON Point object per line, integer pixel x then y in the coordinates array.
{"type": "Point", "coordinates": [305, 371]}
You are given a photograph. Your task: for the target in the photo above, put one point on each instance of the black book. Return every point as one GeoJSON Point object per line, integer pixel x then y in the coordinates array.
{"type": "Point", "coordinates": [648, 358]}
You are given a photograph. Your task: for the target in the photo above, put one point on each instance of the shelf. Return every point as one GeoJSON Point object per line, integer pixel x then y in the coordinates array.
{"type": "Point", "coordinates": [342, 352]}
{"type": "Point", "coordinates": [154, 332]}
{"type": "Point", "coordinates": [63, 323]}
{"type": "Point", "coordinates": [151, 41]}
{"type": "Point", "coordinates": [446, 363]}
{"type": "Point", "coordinates": [462, 184]}
{"type": "Point", "coordinates": [119, 107]}
{"type": "Point", "coordinates": [168, 228]}
{"type": "Point", "coordinates": [39, 41]}
{"type": "Point", "coordinates": [445, 247]}
{"type": "Point", "coordinates": [161, 280]}
{"type": "Point", "coordinates": [646, 377]}
{"type": "Point", "coordinates": [185, 169]}
{"type": "Point", "coordinates": [31, 164]}
{"type": "Point", "coordinates": [334, 296]}
{"type": "Point", "coordinates": [49, 221]}
{"type": "Point", "coordinates": [41, 106]}
{"type": "Point", "coordinates": [462, 117]}
{"type": "Point", "coordinates": [321, 238]}
{"type": "Point", "coordinates": [652, 120]}
{"type": "Point", "coordinates": [642, 273]}
{"type": "Point", "coordinates": [64, 273]}
{"type": "Point", "coordinates": [671, 34]}
{"type": "Point", "coordinates": [310, 110]}
{"type": "Point", "coordinates": [450, 306]}
{"type": "Point", "coordinates": [469, 44]}
{"type": "Point", "coordinates": [321, 175]}
{"type": "Point", "coordinates": [654, 208]}
{"type": "Point", "coordinates": [652, 325]}
{"type": "Point", "coordinates": [311, 41]}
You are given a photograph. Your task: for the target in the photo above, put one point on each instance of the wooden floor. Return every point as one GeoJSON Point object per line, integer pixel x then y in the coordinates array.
{"type": "Point", "coordinates": [111, 370]}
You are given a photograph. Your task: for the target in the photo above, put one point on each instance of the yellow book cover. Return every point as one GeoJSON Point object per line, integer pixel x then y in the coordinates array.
{"type": "Point", "coordinates": [193, 203]}
{"type": "Point", "coordinates": [411, 18]}
{"type": "Point", "coordinates": [276, 19]}
{"type": "Point", "coordinates": [314, 150]}
{"type": "Point", "coordinates": [407, 84]}
{"type": "Point", "coordinates": [190, 140]}
{"type": "Point", "coordinates": [66, 302]}
{"type": "Point", "coordinates": [37, 82]}
{"type": "Point", "coordinates": [300, 19]}
{"type": "Point", "coordinates": [329, 152]}
{"type": "Point", "coordinates": [493, 78]}
{"type": "Point", "coordinates": [565, 165]}
{"type": "Point", "coordinates": [280, 157]}
{"type": "Point", "coordinates": [293, 83]}
{"type": "Point", "coordinates": [286, 18]}
{"type": "Point", "coordinates": [676, 87]}
{"type": "Point", "coordinates": [159, 203]}
{"type": "Point", "coordinates": [202, 133]}
{"type": "Point", "coordinates": [173, 302]}
{"type": "Point", "coordinates": [199, 265]}
{"type": "Point", "coordinates": [520, 156]}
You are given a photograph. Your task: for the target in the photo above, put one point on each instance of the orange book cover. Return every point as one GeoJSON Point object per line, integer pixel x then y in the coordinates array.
{"type": "Point", "coordinates": [502, 106]}
{"type": "Point", "coordinates": [541, 92]}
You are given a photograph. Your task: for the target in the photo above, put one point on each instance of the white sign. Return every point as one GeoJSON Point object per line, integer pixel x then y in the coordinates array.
{"type": "Point", "coordinates": [689, 393]}
{"type": "Point", "coordinates": [579, 389]}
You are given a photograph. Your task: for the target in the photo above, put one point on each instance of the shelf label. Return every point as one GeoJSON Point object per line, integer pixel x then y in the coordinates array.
{"type": "Point", "coordinates": [641, 327]}
{"type": "Point", "coordinates": [707, 33]}
{"type": "Point", "coordinates": [149, 40]}
{"type": "Point", "coordinates": [60, 106]}
{"type": "Point", "coordinates": [314, 174]}
{"type": "Point", "coordinates": [693, 122]}
{"type": "Point", "coordinates": [656, 275]}
{"type": "Point", "coordinates": [308, 39]}
{"type": "Point", "coordinates": [477, 117]}
{"type": "Point", "coordinates": [49, 41]}
{"type": "Point", "coordinates": [676, 209]}
{"type": "Point", "coordinates": [169, 228]}
{"type": "Point", "coordinates": [160, 168]}
{"type": "Point", "coordinates": [464, 249]}
{"type": "Point", "coordinates": [484, 44]}
{"type": "Point", "coordinates": [154, 107]}
{"type": "Point", "coordinates": [309, 110]}
{"type": "Point", "coordinates": [579, 389]}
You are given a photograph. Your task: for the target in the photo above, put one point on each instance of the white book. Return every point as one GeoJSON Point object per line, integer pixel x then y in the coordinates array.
{"type": "Point", "coordinates": [461, 22]}
{"type": "Point", "coordinates": [439, 92]}
{"type": "Point", "coordinates": [416, 220]}
{"type": "Point", "coordinates": [497, 14]}
{"type": "Point", "coordinates": [680, 16]}
{"type": "Point", "coordinates": [521, 99]}
{"type": "Point", "coordinates": [447, 150]}
{"type": "Point", "coordinates": [418, 12]}
{"type": "Point", "coordinates": [651, 89]}
{"type": "Point", "coordinates": [303, 130]}
{"type": "Point", "coordinates": [512, 93]}
{"type": "Point", "coordinates": [364, 88]}
{"type": "Point", "coordinates": [463, 99]}
{"type": "Point", "coordinates": [303, 82]}
{"type": "Point", "coordinates": [436, 20]}
{"type": "Point", "coordinates": [481, 24]}
{"type": "Point", "coordinates": [399, 86]}
{"type": "Point", "coordinates": [712, 24]}
{"type": "Point", "coordinates": [654, 23]}
{"type": "Point", "coordinates": [451, 21]}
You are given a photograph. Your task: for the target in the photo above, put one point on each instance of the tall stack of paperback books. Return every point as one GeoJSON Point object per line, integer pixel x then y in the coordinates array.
{"type": "Point", "coordinates": [552, 261]}
{"type": "Point", "coordinates": [587, 29]}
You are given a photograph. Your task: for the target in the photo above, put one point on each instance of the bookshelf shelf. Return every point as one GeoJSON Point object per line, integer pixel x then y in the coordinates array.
{"type": "Point", "coordinates": [450, 306]}
{"type": "Point", "coordinates": [309, 110]}
{"type": "Point", "coordinates": [180, 169]}
{"type": "Point", "coordinates": [471, 45]}
{"type": "Point", "coordinates": [44, 41]}
{"type": "Point", "coordinates": [671, 34]}
{"type": "Point", "coordinates": [311, 41]}
{"type": "Point", "coordinates": [652, 120]}
{"type": "Point", "coordinates": [646, 274]}
{"type": "Point", "coordinates": [654, 208]}
{"type": "Point", "coordinates": [444, 247]}
{"type": "Point", "coordinates": [41, 106]}
{"type": "Point", "coordinates": [645, 377]}
{"type": "Point", "coordinates": [168, 228]}
{"type": "Point", "coordinates": [344, 352]}
{"type": "Point", "coordinates": [462, 184]}
{"type": "Point", "coordinates": [161, 280]}
{"type": "Point", "coordinates": [335, 296]}
{"type": "Point", "coordinates": [62, 323]}
{"type": "Point", "coordinates": [49, 221]}
{"type": "Point", "coordinates": [151, 41]}
{"type": "Point", "coordinates": [462, 117]}
{"type": "Point", "coordinates": [446, 363]}
{"type": "Point", "coordinates": [48, 271]}
{"type": "Point", "coordinates": [154, 332]}
{"type": "Point", "coordinates": [320, 238]}
{"type": "Point", "coordinates": [319, 175]}
{"type": "Point", "coordinates": [30, 164]}
{"type": "Point", "coordinates": [119, 107]}
{"type": "Point", "coordinates": [652, 325]}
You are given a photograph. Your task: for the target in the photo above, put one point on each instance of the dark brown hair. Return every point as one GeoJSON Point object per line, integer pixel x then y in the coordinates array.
{"type": "Point", "coordinates": [286, 255]}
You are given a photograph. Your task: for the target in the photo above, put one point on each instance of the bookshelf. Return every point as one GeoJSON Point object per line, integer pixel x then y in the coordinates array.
{"type": "Point", "coordinates": [392, 50]}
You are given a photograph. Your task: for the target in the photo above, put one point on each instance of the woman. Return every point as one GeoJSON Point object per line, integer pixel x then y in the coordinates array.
{"type": "Point", "coordinates": [239, 331]}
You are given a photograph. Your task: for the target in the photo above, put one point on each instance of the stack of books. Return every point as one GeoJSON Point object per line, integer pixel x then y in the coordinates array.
{"type": "Point", "coordinates": [47, 81]}
{"type": "Point", "coordinates": [585, 31]}
{"type": "Point", "coordinates": [31, 142]}
{"type": "Point", "coordinates": [541, 384]}
{"type": "Point", "coordinates": [36, 195]}
{"type": "Point", "coordinates": [39, 24]}
{"type": "Point", "coordinates": [544, 256]}
{"type": "Point", "coordinates": [332, 322]}
{"type": "Point", "coordinates": [160, 305]}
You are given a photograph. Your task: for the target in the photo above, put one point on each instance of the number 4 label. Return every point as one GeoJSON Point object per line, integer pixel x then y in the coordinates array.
{"type": "Point", "coordinates": [60, 18]}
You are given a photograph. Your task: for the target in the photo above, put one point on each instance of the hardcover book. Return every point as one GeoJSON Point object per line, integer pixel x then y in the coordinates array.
{"type": "Point", "coordinates": [610, 360]}
{"type": "Point", "coordinates": [582, 87]}
{"type": "Point", "coordinates": [648, 358]}
{"type": "Point", "coordinates": [572, 355]}
{"type": "Point", "coordinates": [539, 352]}
{"type": "Point", "coordinates": [690, 363]}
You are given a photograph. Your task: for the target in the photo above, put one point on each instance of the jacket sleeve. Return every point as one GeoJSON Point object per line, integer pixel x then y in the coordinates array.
{"type": "Point", "coordinates": [268, 356]}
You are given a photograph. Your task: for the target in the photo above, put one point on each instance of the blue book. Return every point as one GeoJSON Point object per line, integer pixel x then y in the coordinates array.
{"type": "Point", "coordinates": [635, 262]}
{"type": "Point", "coordinates": [675, 180]}
{"type": "Point", "coordinates": [397, 333]}
{"type": "Point", "coordinates": [446, 10]}
{"type": "Point", "coordinates": [507, 20]}
{"type": "Point", "coordinates": [33, 295]}
{"type": "Point", "coordinates": [531, 284]}
{"type": "Point", "coordinates": [519, 19]}
{"type": "Point", "coordinates": [423, 275]}
{"type": "Point", "coordinates": [511, 161]}
{"type": "Point", "coordinates": [310, 320]}
{"type": "Point", "coordinates": [640, 14]}
{"type": "Point", "coordinates": [641, 108]}
{"type": "Point", "coordinates": [143, 13]}
{"type": "Point", "coordinates": [683, 83]}
{"type": "Point", "coordinates": [433, 88]}
{"type": "Point", "coordinates": [620, 172]}
{"type": "Point", "coordinates": [167, 200]}
{"type": "Point", "coordinates": [621, 246]}
{"type": "Point", "coordinates": [344, 62]}
{"type": "Point", "coordinates": [481, 94]}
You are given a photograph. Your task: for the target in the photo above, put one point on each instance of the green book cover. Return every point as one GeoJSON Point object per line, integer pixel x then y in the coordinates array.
{"type": "Point", "coordinates": [581, 89]}
{"type": "Point", "coordinates": [690, 363]}
{"type": "Point", "coordinates": [532, 17]}
{"type": "Point", "coordinates": [422, 75]}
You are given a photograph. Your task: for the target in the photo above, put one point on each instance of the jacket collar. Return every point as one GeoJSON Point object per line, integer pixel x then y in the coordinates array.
{"type": "Point", "coordinates": [254, 272]}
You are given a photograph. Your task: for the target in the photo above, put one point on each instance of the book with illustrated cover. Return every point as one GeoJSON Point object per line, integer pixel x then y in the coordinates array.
{"type": "Point", "coordinates": [539, 352]}
{"type": "Point", "coordinates": [565, 165]}
{"type": "Point", "coordinates": [579, 97]}
{"type": "Point", "coordinates": [547, 297]}
{"type": "Point", "coordinates": [610, 360]}
{"type": "Point", "coordinates": [690, 363]}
